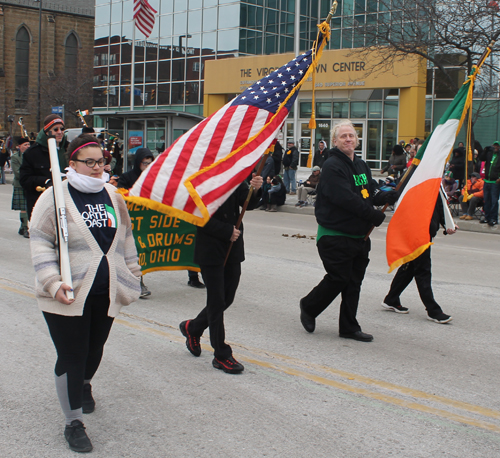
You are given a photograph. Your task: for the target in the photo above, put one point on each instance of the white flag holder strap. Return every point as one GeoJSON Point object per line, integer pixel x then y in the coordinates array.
{"type": "Point", "coordinates": [449, 223]}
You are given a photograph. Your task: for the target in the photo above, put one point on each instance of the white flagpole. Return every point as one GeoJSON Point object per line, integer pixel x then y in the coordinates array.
{"type": "Point", "coordinates": [132, 72]}
{"type": "Point", "coordinates": [62, 225]}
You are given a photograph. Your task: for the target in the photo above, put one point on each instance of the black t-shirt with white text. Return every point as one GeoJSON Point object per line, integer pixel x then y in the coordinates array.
{"type": "Point", "coordinates": [99, 215]}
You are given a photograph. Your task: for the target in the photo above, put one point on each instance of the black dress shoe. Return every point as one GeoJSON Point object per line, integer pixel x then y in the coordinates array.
{"type": "Point", "coordinates": [307, 320]}
{"type": "Point", "coordinates": [358, 335]}
{"type": "Point", "coordinates": [196, 284]}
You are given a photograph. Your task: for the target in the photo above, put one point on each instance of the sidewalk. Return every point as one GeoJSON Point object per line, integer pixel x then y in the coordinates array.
{"type": "Point", "coordinates": [289, 207]}
{"type": "Point", "coordinates": [467, 226]}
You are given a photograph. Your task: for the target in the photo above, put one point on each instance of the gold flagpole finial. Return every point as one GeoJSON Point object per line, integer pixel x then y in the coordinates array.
{"type": "Point", "coordinates": [332, 11]}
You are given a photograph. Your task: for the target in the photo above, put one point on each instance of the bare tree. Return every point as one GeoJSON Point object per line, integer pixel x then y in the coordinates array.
{"type": "Point", "coordinates": [74, 91]}
{"type": "Point", "coordinates": [450, 34]}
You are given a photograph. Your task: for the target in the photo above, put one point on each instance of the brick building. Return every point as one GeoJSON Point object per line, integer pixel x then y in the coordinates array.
{"type": "Point", "coordinates": [67, 41]}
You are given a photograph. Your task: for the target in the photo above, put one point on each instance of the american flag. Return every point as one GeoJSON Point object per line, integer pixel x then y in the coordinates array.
{"type": "Point", "coordinates": [199, 171]}
{"type": "Point", "coordinates": [144, 16]}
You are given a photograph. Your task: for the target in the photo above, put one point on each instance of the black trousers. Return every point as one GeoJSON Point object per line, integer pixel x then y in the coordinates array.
{"type": "Point", "coordinates": [345, 260]}
{"type": "Point", "coordinates": [79, 342]}
{"type": "Point", "coordinates": [420, 270]}
{"type": "Point", "coordinates": [221, 283]}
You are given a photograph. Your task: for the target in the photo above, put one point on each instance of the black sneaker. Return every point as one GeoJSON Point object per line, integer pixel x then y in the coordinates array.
{"type": "Point", "coordinates": [192, 342]}
{"type": "Point", "coordinates": [492, 223]}
{"type": "Point", "coordinates": [483, 221]}
{"type": "Point", "coordinates": [21, 231]}
{"type": "Point", "coordinates": [395, 308]}
{"type": "Point", "coordinates": [26, 234]}
{"type": "Point", "coordinates": [144, 290]}
{"type": "Point", "coordinates": [196, 284]}
{"type": "Point", "coordinates": [441, 318]}
{"type": "Point", "coordinates": [229, 365]}
{"type": "Point", "coordinates": [77, 438]}
{"type": "Point", "coordinates": [88, 403]}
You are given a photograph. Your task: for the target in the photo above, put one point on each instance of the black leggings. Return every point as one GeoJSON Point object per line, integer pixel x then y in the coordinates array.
{"type": "Point", "coordinates": [79, 342]}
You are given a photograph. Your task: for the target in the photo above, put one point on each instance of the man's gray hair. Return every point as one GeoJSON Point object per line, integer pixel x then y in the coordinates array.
{"type": "Point", "coordinates": [343, 123]}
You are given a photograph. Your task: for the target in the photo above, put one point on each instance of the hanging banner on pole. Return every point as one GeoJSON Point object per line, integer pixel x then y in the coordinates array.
{"type": "Point", "coordinates": [163, 242]}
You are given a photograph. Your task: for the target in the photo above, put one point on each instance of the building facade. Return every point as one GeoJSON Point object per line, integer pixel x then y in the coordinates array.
{"type": "Point", "coordinates": [181, 74]}
{"type": "Point", "coordinates": [39, 72]}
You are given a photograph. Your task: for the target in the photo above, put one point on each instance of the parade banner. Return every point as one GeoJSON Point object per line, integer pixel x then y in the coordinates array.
{"type": "Point", "coordinates": [163, 242]}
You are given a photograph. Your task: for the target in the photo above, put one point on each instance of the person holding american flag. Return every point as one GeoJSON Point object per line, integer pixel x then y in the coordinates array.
{"type": "Point", "coordinates": [221, 275]}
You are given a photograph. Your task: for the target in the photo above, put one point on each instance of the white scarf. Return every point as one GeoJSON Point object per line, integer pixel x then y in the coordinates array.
{"type": "Point", "coordinates": [85, 183]}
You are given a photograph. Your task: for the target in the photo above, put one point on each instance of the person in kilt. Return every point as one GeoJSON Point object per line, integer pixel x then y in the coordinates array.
{"type": "Point", "coordinates": [18, 199]}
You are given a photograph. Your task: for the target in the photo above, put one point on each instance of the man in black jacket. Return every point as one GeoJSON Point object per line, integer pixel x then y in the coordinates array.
{"type": "Point", "coordinates": [35, 174]}
{"type": "Point", "coordinates": [290, 164]}
{"type": "Point", "coordinates": [346, 194]}
{"type": "Point", "coordinates": [221, 277]}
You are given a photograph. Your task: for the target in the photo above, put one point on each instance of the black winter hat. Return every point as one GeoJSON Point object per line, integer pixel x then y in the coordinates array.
{"type": "Point", "coordinates": [50, 121]}
{"type": "Point", "coordinates": [22, 140]}
{"type": "Point", "coordinates": [398, 150]}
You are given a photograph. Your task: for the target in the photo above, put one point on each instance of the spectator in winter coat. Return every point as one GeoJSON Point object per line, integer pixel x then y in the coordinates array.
{"type": "Point", "coordinates": [277, 157]}
{"type": "Point", "coordinates": [397, 162]}
{"type": "Point", "coordinates": [321, 154]}
{"type": "Point", "coordinates": [18, 199]}
{"type": "Point", "coordinates": [474, 196]}
{"type": "Point", "coordinates": [491, 187]}
{"type": "Point", "coordinates": [276, 194]}
{"type": "Point", "coordinates": [143, 157]}
{"type": "Point", "coordinates": [450, 185]}
{"type": "Point", "coordinates": [35, 174]}
{"type": "Point", "coordinates": [457, 165]}
{"type": "Point", "coordinates": [290, 164]}
{"type": "Point", "coordinates": [309, 186]}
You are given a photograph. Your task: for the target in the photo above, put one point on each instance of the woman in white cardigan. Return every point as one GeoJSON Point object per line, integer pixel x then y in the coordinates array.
{"type": "Point", "coordinates": [104, 271]}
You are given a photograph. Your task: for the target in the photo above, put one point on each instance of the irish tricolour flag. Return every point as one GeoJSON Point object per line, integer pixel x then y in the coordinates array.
{"type": "Point", "coordinates": [408, 232]}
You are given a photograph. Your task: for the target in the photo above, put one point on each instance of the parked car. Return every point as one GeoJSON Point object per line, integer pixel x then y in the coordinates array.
{"type": "Point", "coordinates": [71, 134]}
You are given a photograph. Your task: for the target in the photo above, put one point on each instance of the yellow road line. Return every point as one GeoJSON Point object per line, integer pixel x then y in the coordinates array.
{"type": "Point", "coordinates": [328, 382]}
{"type": "Point", "coordinates": [352, 389]}
{"type": "Point", "coordinates": [354, 377]}
{"type": "Point", "coordinates": [17, 291]}
{"type": "Point", "coordinates": [381, 384]}
{"type": "Point", "coordinates": [380, 397]}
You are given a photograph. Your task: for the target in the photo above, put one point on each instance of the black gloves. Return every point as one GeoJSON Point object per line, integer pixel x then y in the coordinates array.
{"type": "Point", "coordinates": [390, 197]}
{"type": "Point", "coordinates": [384, 197]}
{"type": "Point", "coordinates": [378, 217]}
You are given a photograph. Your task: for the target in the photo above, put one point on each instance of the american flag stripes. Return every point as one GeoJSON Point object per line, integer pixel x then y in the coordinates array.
{"type": "Point", "coordinates": [198, 172]}
{"type": "Point", "coordinates": [144, 16]}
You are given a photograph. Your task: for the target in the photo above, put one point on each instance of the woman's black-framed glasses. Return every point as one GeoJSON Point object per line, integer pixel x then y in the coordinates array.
{"type": "Point", "coordinates": [92, 162]}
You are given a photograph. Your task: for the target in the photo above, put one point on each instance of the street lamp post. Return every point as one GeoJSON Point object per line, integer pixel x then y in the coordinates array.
{"type": "Point", "coordinates": [38, 110]}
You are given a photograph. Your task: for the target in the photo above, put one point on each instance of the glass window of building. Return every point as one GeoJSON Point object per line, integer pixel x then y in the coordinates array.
{"type": "Point", "coordinates": [22, 67]}
{"type": "Point", "coordinates": [391, 108]}
{"type": "Point", "coordinates": [341, 109]}
{"type": "Point", "coordinates": [71, 54]}
{"type": "Point", "coordinates": [358, 109]}
{"type": "Point", "coordinates": [324, 110]}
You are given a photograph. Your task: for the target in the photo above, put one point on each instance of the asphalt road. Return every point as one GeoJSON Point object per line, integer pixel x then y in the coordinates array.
{"type": "Point", "coordinates": [420, 389]}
